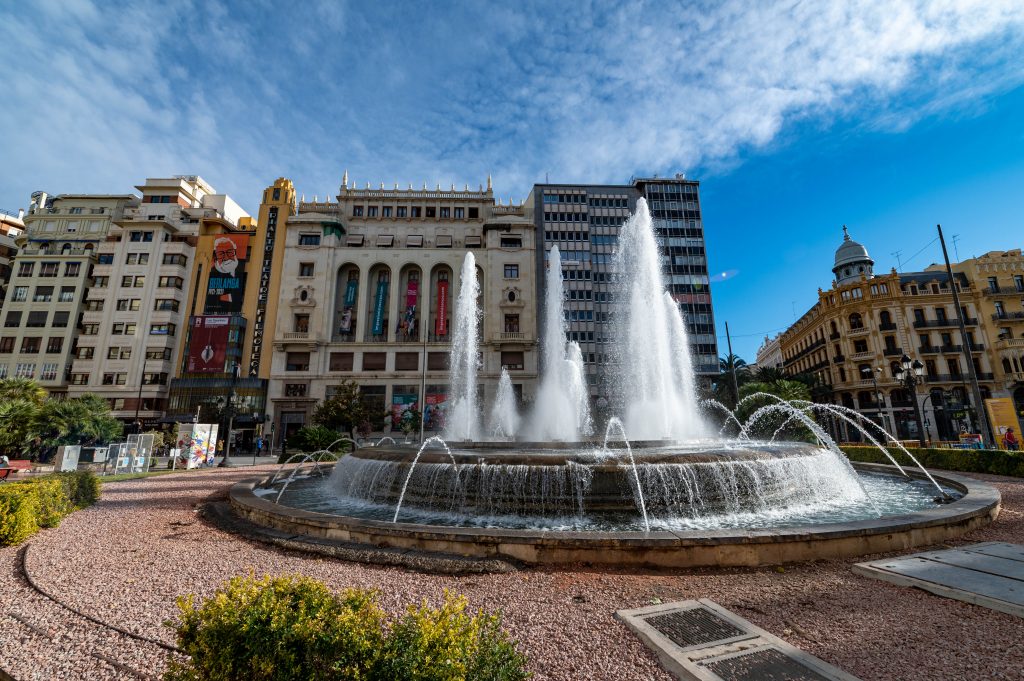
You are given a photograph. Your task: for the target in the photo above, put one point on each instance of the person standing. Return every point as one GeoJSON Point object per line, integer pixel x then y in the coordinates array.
{"type": "Point", "coordinates": [1010, 440]}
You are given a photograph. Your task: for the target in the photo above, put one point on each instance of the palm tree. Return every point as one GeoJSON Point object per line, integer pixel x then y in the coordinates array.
{"type": "Point", "coordinates": [729, 366]}
{"type": "Point", "coordinates": [22, 389]}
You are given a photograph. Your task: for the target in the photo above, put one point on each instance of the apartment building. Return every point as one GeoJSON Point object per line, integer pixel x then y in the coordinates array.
{"type": "Point", "coordinates": [368, 289]}
{"type": "Point", "coordinates": [136, 310]}
{"type": "Point", "coordinates": [11, 227]}
{"type": "Point", "coordinates": [51, 275]}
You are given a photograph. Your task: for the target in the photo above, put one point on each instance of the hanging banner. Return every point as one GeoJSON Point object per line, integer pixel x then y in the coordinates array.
{"type": "Point", "coordinates": [441, 324]}
{"type": "Point", "coordinates": [401, 403]}
{"type": "Point", "coordinates": [351, 290]}
{"type": "Point", "coordinates": [225, 289]}
{"type": "Point", "coordinates": [434, 412]}
{"type": "Point", "coordinates": [378, 307]}
{"type": "Point", "coordinates": [207, 346]}
{"type": "Point", "coordinates": [407, 325]}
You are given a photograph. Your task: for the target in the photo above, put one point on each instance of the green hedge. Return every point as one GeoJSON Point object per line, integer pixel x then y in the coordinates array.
{"type": "Point", "coordinates": [995, 461]}
{"type": "Point", "coordinates": [26, 506]}
{"type": "Point", "coordinates": [286, 628]}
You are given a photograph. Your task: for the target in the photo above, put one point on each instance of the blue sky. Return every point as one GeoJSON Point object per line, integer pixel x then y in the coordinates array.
{"type": "Point", "coordinates": [797, 117]}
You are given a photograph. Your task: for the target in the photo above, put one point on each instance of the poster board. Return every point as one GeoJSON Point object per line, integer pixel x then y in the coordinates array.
{"type": "Point", "coordinates": [1003, 416]}
{"type": "Point", "coordinates": [67, 458]}
{"type": "Point", "coordinates": [198, 442]}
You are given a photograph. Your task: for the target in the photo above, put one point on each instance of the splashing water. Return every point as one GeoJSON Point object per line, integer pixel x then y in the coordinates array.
{"type": "Point", "coordinates": [655, 382]}
{"type": "Point", "coordinates": [616, 424]}
{"type": "Point", "coordinates": [562, 410]}
{"type": "Point", "coordinates": [504, 417]}
{"type": "Point", "coordinates": [426, 443]}
{"type": "Point", "coordinates": [464, 416]}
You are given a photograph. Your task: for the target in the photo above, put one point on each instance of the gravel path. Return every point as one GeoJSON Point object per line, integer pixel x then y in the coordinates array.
{"type": "Point", "coordinates": [126, 559]}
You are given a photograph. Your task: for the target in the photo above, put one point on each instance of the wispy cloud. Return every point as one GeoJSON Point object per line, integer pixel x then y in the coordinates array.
{"type": "Point", "coordinates": [100, 96]}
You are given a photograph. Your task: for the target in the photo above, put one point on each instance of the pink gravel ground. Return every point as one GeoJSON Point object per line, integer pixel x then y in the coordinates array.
{"type": "Point", "coordinates": [125, 560]}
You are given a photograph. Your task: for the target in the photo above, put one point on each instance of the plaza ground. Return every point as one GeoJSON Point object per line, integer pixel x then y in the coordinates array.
{"type": "Point", "coordinates": [124, 561]}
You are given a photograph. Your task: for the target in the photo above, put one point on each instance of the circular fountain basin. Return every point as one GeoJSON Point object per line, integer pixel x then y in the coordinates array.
{"type": "Point", "coordinates": [602, 524]}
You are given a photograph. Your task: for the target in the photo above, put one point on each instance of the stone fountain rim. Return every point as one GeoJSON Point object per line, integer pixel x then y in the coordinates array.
{"type": "Point", "coordinates": [691, 548]}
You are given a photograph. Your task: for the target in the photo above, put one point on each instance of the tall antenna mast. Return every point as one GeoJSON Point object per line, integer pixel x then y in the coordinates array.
{"type": "Point", "coordinates": [899, 262]}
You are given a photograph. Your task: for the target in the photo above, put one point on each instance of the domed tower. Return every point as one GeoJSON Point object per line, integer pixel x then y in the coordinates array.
{"type": "Point", "coordinates": [852, 260]}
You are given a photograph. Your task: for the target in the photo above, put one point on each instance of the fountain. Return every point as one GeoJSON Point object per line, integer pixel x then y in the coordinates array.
{"type": "Point", "coordinates": [672, 494]}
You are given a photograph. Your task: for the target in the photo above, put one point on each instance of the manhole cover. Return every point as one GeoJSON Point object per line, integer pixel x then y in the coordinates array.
{"type": "Point", "coordinates": [694, 626]}
{"type": "Point", "coordinates": [765, 664]}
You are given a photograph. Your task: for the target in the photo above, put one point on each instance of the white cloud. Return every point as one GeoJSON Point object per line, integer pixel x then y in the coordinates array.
{"type": "Point", "coordinates": [104, 95]}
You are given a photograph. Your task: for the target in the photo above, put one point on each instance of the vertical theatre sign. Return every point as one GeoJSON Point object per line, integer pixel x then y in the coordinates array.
{"type": "Point", "coordinates": [264, 293]}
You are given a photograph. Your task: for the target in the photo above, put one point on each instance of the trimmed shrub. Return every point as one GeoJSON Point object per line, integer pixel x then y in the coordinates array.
{"type": "Point", "coordinates": [18, 511]}
{"type": "Point", "coordinates": [295, 628]}
{"type": "Point", "coordinates": [449, 644]}
{"type": "Point", "coordinates": [994, 461]}
{"type": "Point", "coordinates": [26, 506]}
{"type": "Point", "coordinates": [278, 628]}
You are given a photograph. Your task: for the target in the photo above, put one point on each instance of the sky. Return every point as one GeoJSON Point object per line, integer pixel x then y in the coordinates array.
{"type": "Point", "coordinates": [797, 117]}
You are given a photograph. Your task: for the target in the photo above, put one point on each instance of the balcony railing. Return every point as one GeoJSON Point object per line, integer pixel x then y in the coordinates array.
{"type": "Point", "coordinates": [1002, 316]}
{"type": "Point", "coordinates": [887, 327]}
{"type": "Point", "coordinates": [952, 349]}
{"type": "Point", "coordinates": [1007, 343]}
{"type": "Point", "coordinates": [929, 349]}
{"type": "Point", "coordinates": [344, 338]}
{"type": "Point", "coordinates": [998, 291]}
{"type": "Point", "coordinates": [839, 359]}
{"type": "Point", "coordinates": [375, 338]}
{"type": "Point", "coordinates": [893, 352]}
{"type": "Point", "coordinates": [296, 335]}
{"type": "Point", "coordinates": [511, 336]}
{"type": "Point", "coordinates": [958, 378]}
{"type": "Point", "coordinates": [862, 355]}
{"type": "Point", "coordinates": [859, 331]}
{"type": "Point", "coordinates": [944, 323]}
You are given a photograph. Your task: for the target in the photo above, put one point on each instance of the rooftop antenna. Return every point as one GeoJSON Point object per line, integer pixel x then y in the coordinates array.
{"type": "Point", "coordinates": [956, 252]}
{"type": "Point", "coordinates": [792, 304]}
{"type": "Point", "coordinates": [899, 262]}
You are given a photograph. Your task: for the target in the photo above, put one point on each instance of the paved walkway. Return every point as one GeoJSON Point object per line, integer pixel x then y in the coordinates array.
{"type": "Point", "coordinates": [125, 560]}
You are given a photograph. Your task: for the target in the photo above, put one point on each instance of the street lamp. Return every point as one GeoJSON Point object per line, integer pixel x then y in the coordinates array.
{"type": "Point", "coordinates": [230, 407]}
{"type": "Point", "coordinates": [910, 374]}
{"type": "Point", "coordinates": [866, 371]}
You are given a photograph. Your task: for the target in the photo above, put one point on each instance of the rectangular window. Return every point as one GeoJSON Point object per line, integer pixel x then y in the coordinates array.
{"type": "Point", "coordinates": [90, 329]}
{"type": "Point", "coordinates": [128, 304]}
{"type": "Point", "coordinates": [297, 361]}
{"type": "Point", "coordinates": [126, 282]}
{"type": "Point", "coordinates": [76, 211]}
{"type": "Point", "coordinates": [437, 361]}
{"type": "Point", "coordinates": [170, 282]}
{"type": "Point", "coordinates": [7, 344]}
{"type": "Point", "coordinates": [67, 294]}
{"type": "Point", "coordinates": [294, 389]}
{"type": "Point", "coordinates": [302, 323]}
{"type": "Point", "coordinates": [105, 259]}
{"type": "Point", "coordinates": [385, 212]}
{"type": "Point", "coordinates": [85, 353]}
{"type": "Point", "coordinates": [49, 269]}
{"type": "Point", "coordinates": [511, 271]}
{"type": "Point", "coordinates": [138, 259]}
{"type": "Point", "coordinates": [431, 212]}
{"type": "Point", "coordinates": [13, 319]}
{"type": "Point", "coordinates": [460, 213]}
{"type": "Point", "coordinates": [511, 323]}
{"type": "Point", "coordinates": [60, 319]}
{"type": "Point", "coordinates": [162, 330]}
{"type": "Point", "coordinates": [158, 353]}
{"type": "Point", "coordinates": [119, 353]}
{"type": "Point", "coordinates": [374, 361]}
{"type": "Point", "coordinates": [114, 379]}
{"type": "Point", "coordinates": [100, 282]}
{"type": "Point", "coordinates": [511, 242]}
{"type": "Point", "coordinates": [36, 319]}
{"type": "Point", "coordinates": [371, 211]}
{"type": "Point", "coordinates": [474, 213]}
{"type": "Point", "coordinates": [141, 237]}
{"type": "Point", "coordinates": [407, 361]}
{"type": "Point", "coordinates": [305, 269]}
{"type": "Point", "coordinates": [43, 294]}
{"type": "Point", "coordinates": [416, 211]}
{"type": "Point", "coordinates": [512, 360]}
{"type": "Point", "coordinates": [26, 370]}
{"type": "Point", "coordinates": [25, 269]}
{"type": "Point", "coordinates": [166, 305]}
{"type": "Point", "coordinates": [357, 211]}
{"type": "Point", "coordinates": [341, 361]}
{"type": "Point", "coordinates": [54, 345]}
{"type": "Point", "coordinates": [154, 379]}
{"type": "Point", "coordinates": [446, 212]}
{"type": "Point", "coordinates": [401, 212]}
{"type": "Point", "coordinates": [124, 329]}
{"type": "Point", "coordinates": [309, 239]}
{"type": "Point", "coordinates": [49, 372]}
{"type": "Point", "coordinates": [30, 345]}
{"type": "Point", "coordinates": [20, 294]}
{"type": "Point", "coordinates": [175, 259]}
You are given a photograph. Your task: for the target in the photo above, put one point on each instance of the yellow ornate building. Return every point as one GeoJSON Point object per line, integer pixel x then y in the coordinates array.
{"type": "Point", "coordinates": [856, 335]}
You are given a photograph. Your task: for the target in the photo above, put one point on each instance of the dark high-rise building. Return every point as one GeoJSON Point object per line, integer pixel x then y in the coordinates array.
{"type": "Point", "coordinates": [584, 221]}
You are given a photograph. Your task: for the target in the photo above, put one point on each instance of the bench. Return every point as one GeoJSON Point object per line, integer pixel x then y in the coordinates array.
{"type": "Point", "coordinates": [15, 466]}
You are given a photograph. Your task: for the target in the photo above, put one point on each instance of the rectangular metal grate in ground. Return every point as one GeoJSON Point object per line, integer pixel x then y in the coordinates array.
{"type": "Point", "coordinates": [691, 627]}
{"type": "Point", "coordinates": [703, 641]}
{"type": "Point", "coordinates": [764, 664]}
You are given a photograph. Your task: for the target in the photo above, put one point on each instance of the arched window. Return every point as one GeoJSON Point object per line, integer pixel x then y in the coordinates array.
{"type": "Point", "coordinates": [1006, 366]}
{"type": "Point", "coordinates": [856, 322]}
{"type": "Point", "coordinates": [885, 317]}
{"type": "Point", "coordinates": [835, 329]}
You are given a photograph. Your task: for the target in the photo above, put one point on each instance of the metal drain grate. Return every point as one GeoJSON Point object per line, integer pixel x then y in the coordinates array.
{"type": "Point", "coordinates": [693, 627]}
{"type": "Point", "coordinates": [764, 664]}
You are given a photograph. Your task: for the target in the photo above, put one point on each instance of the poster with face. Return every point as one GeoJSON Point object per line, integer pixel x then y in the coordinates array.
{"type": "Point", "coordinates": [226, 286]}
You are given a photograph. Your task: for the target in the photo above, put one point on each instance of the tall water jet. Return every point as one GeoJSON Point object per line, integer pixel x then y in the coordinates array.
{"type": "Point", "coordinates": [655, 378]}
{"type": "Point", "coordinates": [504, 416]}
{"type": "Point", "coordinates": [463, 422]}
{"type": "Point", "coordinates": [562, 409]}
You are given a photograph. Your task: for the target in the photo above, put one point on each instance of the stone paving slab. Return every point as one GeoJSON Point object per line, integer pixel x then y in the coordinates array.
{"type": "Point", "coordinates": [699, 640]}
{"type": "Point", "coordinates": [989, 574]}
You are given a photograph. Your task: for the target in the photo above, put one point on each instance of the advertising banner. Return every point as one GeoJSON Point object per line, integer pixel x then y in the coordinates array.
{"type": "Point", "coordinates": [207, 348]}
{"type": "Point", "coordinates": [1003, 416]}
{"type": "Point", "coordinates": [226, 286]}
{"type": "Point", "coordinates": [399, 404]}
{"type": "Point", "coordinates": [351, 289]}
{"type": "Point", "coordinates": [441, 324]}
{"type": "Point", "coordinates": [407, 324]}
{"type": "Point", "coordinates": [378, 307]}
{"type": "Point", "coordinates": [434, 412]}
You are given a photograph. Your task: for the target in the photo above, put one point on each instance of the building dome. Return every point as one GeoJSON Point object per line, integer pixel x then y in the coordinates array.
{"type": "Point", "coordinates": [852, 260]}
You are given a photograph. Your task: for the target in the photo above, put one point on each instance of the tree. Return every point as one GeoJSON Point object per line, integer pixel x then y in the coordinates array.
{"type": "Point", "coordinates": [775, 424]}
{"type": "Point", "coordinates": [84, 420]}
{"type": "Point", "coordinates": [410, 421]}
{"type": "Point", "coordinates": [723, 390]}
{"type": "Point", "coordinates": [22, 389]}
{"type": "Point", "coordinates": [313, 438]}
{"type": "Point", "coordinates": [343, 411]}
{"type": "Point", "coordinates": [18, 421]}
{"type": "Point", "coordinates": [769, 375]}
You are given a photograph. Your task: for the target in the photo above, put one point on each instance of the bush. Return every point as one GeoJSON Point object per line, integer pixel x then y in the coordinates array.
{"type": "Point", "coordinates": [295, 628]}
{"type": "Point", "coordinates": [449, 644]}
{"type": "Point", "coordinates": [18, 511]}
{"type": "Point", "coordinates": [278, 628]}
{"type": "Point", "coordinates": [994, 461]}
{"type": "Point", "coordinates": [27, 506]}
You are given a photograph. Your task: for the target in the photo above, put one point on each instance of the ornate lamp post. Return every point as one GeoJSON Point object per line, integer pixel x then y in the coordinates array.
{"type": "Point", "coordinates": [910, 375]}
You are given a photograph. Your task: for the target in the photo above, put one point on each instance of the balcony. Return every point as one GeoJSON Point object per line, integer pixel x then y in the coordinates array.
{"type": "Point", "coordinates": [512, 336]}
{"type": "Point", "coordinates": [946, 323]}
{"type": "Point", "coordinates": [928, 349]}
{"type": "Point", "coordinates": [887, 327]}
{"type": "Point", "coordinates": [838, 359]}
{"type": "Point", "coordinates": [344, 338]}
{"type": "Point", "coordinates": [958, 378]}
{"type": "Point", "coordinates": [1015, 377]}
{"type": "Point", "coordinates": [893, 352]}
{"type": "Point", "coordinates": [862, 355]}
{"type": "Point", "coordinates": [1008, 343]}
{"type": "Point", "coordinates": [859, 331]}
{"type": "Point", "coordinates": [296, 335]}
{"type": "Point", "coordinates": [375, 338]}
{"type": "Point", "coordinates": [1007, 316]}
{"type": "Point", "coordinates": [834, 336]}
{"type": "Point", "coordinates": [952, 349]}
{"type": "Point", "coordinates": [998, 292]}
